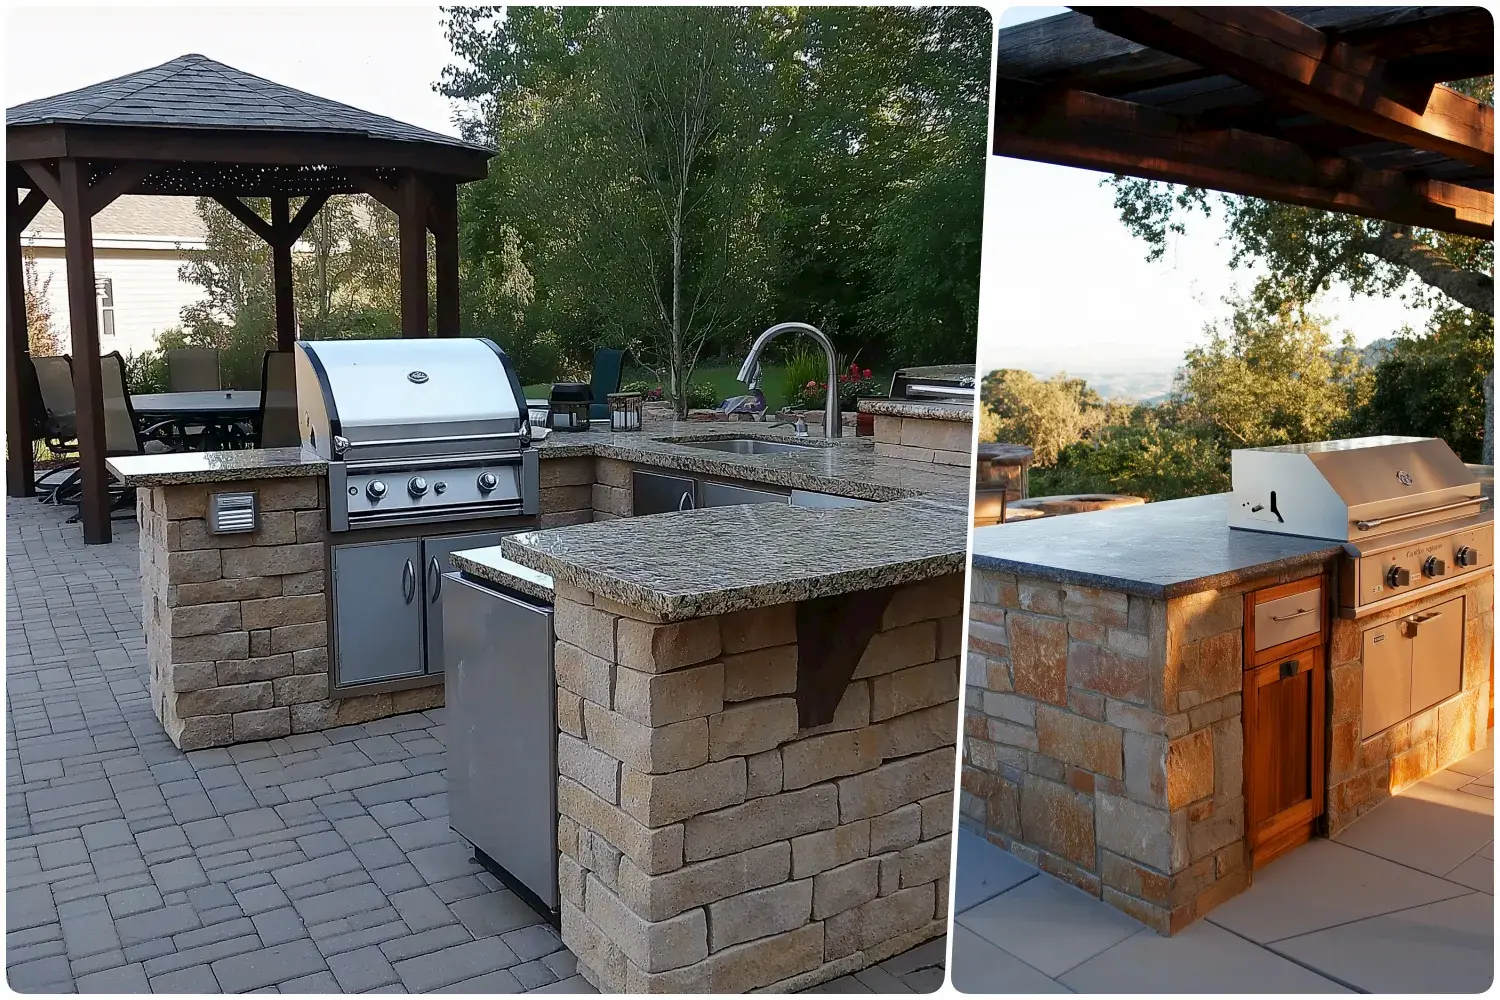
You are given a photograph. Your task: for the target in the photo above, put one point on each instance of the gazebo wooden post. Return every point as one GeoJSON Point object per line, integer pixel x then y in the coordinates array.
{"type": "Point", "coordinates": [281, 272]}
{"type": "Point", "coordinates": [411, 199]}
{"type": "Point", "coordinates": [445, 254]}
{"type": "Point", "coordinates": [83, 318]}
{"type": "Point", "coordinates": [20, 476]}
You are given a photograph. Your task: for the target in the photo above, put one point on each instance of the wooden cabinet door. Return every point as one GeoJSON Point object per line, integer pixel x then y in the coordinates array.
{"type": "Point", "coordinates": [1283, 720]}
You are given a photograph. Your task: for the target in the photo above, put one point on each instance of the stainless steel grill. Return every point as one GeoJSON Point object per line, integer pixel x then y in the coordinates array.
{"type": "Point", "coordinates": [935, 383]}
{"type": "Point", "coordinates": [416, 431]}
{"type": "Point", "coordinates": [1407, 510]}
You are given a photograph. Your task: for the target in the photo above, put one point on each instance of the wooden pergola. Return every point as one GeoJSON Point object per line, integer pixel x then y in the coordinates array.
{"type": "Point", "coordinates": [1336, 108]}
{"type": "Point", "coordinates": [196, 127]}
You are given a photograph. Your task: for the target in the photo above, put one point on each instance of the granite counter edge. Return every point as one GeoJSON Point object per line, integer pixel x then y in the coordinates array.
{"type": "Point", "coordinates": [1154, 590]}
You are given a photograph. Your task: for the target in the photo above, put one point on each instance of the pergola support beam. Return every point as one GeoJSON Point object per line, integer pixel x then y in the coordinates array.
{"type": "Point", "coordinates": [444, 221]}
{"type": "Point", "coordinates": [20, 472]}
{"type": "Point", "coordinates": [248, 217]}
{"type": "Point", "coordinates": [411, 217]}
{"type": "Point", "coordinates": [281, 274]}
{"type": "Point", "coordinates": [1079, 129]}
{"type": "Point", "coordinates": [1282, 57]}
{"type": "Point", "coordinates": [83, 319]}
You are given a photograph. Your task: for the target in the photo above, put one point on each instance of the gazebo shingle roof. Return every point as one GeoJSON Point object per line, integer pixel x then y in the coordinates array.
{"type": "Point", "coordinates": [193, 91]}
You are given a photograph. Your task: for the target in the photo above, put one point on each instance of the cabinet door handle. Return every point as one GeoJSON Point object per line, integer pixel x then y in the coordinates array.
{"type": "Point", "coordinates": [435, 577]}
{"type": "Point", "coordinates": [1295, 614]}
{"type": "Point", "coordinates": [408, 581]}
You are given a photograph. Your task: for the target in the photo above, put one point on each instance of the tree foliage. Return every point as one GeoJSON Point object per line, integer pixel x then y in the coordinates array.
{"type": "Point", "coordinates": [675, 179]}
{"type": "Point", "coordinates": [42, 336]}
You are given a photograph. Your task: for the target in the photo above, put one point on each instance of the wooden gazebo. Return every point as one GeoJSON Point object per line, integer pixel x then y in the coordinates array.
{"type": "Point", "coordinates": [196, 127]}
{"type": "Point", "coordinates": [1335, 108]}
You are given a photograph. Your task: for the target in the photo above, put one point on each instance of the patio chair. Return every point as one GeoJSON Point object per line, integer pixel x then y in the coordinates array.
{"type": "Point", "coordinates": [193, 369]}
{"type": "Point", "coordinates": [48, 383]}
{"type": "Point", "coordinates": [122, 433]}
{"type": "Point", "coordinates": [608, 364]}
{"type": "Point", "coordinates": [278, 402]}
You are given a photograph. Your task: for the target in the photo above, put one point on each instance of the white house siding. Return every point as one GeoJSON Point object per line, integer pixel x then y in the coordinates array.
{"type": "Point", "coordinates": [148, 294]}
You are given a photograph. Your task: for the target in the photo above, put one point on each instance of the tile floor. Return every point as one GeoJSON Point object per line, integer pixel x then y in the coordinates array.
{"type": "Point", "coordinates": [1401, 902]}
{"type": "Point", "coordinates": [314, 864]}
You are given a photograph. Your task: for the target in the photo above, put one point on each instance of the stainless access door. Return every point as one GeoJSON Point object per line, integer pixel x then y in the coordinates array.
{"type": "Point", "coordinates": [1437, 654]}
{"type": "Point", "coordinates": [724, 495]}
{"type": "Point", "coordinates": [377, 611]}
{"type": "Point", "coordinates": [502, 730]}
{"type": "Point", "coordinates": [1387, 678]}
{"type": "Point", "coordinates": [654, 493]}
{"type": "Point", "coordinates": [435, 562]}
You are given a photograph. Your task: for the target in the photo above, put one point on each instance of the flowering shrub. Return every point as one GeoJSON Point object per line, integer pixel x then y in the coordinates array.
{"type": "Point", "coordinates": [853, 385]}
{"type": "Point", "coordinates": [700, 395]}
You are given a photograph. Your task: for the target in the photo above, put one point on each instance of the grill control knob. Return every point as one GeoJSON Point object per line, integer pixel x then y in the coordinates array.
{"type": "Point", "coordinates": [376, 489]}
{"type": "Point", "coordinates": [1434, 567]}
{"type": "Point", "coordinates": [417, 486]}
{"type": "Point", "coordinates": [1467, 556]}
{"type": "Point", "coordinates": [487, 482]}
{"type": "Point", "coordinates": [1398, 576]}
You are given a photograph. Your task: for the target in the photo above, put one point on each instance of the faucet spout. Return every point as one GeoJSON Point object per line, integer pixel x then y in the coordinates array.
{"type": "Point", "coordinates": [833, 424]}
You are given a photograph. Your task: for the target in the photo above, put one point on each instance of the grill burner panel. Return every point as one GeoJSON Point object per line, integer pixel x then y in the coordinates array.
{"type": "Point", "coordinates": [1407, 511]}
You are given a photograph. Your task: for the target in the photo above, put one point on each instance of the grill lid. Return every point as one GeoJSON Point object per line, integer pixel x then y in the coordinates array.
{"type": "Point", "coordinates": [392, 399]}
{"type": "Point", "coordinates": [1350, 490]}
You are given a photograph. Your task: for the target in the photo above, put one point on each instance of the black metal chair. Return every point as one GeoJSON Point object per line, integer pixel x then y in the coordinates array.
{"type": "Point", "coordinates": [48, 384]}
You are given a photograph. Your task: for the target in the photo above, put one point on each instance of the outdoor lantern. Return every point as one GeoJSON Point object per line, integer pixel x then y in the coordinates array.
{"type": "Point", "coordinates": [625, 410]}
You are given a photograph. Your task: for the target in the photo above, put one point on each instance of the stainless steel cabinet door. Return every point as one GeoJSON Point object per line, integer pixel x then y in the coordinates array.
{"type": "Point", "coordinates": [724, 495]}
{"type": "Point", "coordinates": [502, 731]}
{"type": "Point", "coordinates": [1387, 678]}
{"type": "Point", "coordinates": [654, 493]}
{"type": "Point", "coordinates": [435, 562]}
{"type": "Point", "coordinates": [377, 611]}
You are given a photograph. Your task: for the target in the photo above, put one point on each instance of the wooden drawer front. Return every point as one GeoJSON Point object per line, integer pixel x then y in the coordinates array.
{"type": "Point", "coordinates": [1288, 618]}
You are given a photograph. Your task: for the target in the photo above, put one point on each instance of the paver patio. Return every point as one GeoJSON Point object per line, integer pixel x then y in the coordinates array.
{"type": "Point", "coordinates": [1400, 902]}
{"type": "Point", "coordinates": [315, 863]}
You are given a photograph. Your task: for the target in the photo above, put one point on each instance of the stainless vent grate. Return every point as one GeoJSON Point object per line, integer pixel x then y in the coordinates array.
{"type": "Point", "coordinates": [232, 513]}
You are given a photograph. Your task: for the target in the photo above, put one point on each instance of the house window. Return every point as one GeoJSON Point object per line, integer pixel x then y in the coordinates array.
{"type": "Point", "coordinates": [106, 290]}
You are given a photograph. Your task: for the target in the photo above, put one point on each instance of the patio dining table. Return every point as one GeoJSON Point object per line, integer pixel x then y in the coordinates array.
{"type": "Point", "coordinates": [219, 411]}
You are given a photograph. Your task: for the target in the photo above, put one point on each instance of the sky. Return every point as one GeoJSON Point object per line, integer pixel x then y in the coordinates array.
{"type": "Point", "coordinates": [1065, 287]}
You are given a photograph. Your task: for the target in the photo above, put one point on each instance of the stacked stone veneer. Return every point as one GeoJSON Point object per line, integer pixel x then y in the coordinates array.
{"type": "Point", "coordinates": [708, 844]}
{"type": "Point", "coordinates": [1362, 773]}
{"type": "Point", "coordinates": [943, 442]}
{"type": "Point", "coordinates": [1103, 740]}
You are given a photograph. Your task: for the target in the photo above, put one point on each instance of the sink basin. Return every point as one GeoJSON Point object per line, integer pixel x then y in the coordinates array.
{"type": "Point", "coordinates": [750, 446]}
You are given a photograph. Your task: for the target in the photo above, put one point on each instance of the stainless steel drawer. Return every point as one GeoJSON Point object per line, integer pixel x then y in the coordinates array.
{"type": "Point", "coordinates": [1288, 618]}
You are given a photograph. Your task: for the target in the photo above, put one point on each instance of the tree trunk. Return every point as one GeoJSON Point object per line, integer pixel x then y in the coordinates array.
{"type": "Point", "coordinates": [1468, 288]}
{"type": "Point", "coordinates": [678, 355]}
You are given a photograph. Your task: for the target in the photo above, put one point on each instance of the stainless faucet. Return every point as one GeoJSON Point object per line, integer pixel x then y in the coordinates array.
{"type": "Point", "coordinates": [833, 425]}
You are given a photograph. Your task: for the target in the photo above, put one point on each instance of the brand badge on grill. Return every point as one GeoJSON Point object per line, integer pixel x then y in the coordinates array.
{"type": "Point", "coordinates": [417, 377]}
{"type": "Point", "coordinates": [1405, 478]}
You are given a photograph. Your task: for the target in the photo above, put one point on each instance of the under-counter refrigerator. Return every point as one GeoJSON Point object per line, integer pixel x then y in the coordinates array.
{"type": "Point", "coordinates": [502, 734]}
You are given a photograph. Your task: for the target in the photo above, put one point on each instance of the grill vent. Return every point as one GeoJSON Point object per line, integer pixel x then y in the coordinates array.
{"type": "Point", "coordinates": [232, 513]}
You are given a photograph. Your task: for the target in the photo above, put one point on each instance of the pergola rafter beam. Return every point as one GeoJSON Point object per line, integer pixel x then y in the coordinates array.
{"type": "Point", "coordinates": [248, 216]}
{"type": "Point", "coordinates": [119, 181]}
{"type": "Point", "coordinates": [22, 213]}
{"type": "Point", "coordinates": [46, 179]}
{"type": "Point", "coordinates": [1283, 57]}
{"type": "Point", "coordinates": [1092, 132]}
{"type": "Point", "coordinates": [299, 222]}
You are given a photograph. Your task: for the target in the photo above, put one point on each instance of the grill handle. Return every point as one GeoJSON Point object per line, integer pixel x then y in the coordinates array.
{"type": "Point", "coordinates": [1377, 522]}
{"type": "Point", "coordinates": [408, 581]}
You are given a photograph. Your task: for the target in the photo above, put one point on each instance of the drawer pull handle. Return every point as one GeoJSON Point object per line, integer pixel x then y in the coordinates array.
{"type": "Point", "coordinates": [1289, 669]}
{"type": "Point", "coordinates": [1294, 614]}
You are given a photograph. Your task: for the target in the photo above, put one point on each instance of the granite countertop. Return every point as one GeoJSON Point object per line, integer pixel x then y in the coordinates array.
{"type": "Point", "coordinates": [489, 565]}
{"type": "Point", "coordinates": [929, 409]}
{"type": "Point", "coordinates": [1159, 550]}
{"type": "Point", "coordinates": [846, 467]}
{"type": "Point", "coordinates": [688, 564]}
{"type": "Point", "coordinates": [186, 467]}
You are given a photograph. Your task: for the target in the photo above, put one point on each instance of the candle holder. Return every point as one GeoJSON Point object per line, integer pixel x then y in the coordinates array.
{"type": "Point", "coordinates": [570, 406]}
{"type": "Point", "coordinates": [625, 410]}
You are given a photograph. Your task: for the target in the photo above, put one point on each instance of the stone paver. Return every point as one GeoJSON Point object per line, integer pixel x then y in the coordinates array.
{"type": "Point", "coordinates": [1402, 901]}
{"type": "Point", "coordinates": [313, 863]}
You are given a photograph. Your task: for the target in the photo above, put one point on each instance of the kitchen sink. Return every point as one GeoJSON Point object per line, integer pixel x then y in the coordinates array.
{"type": "Point", "coordinates": [750, 446]}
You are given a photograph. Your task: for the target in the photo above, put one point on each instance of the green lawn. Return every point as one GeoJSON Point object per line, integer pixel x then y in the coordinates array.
{"type": "Point", "coordinates": [721, 377]}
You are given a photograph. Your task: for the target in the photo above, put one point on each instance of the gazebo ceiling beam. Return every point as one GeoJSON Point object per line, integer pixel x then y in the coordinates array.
{"type": "Point", "coordinates": [21, 215]}
{"type": "Point", "coordinates": [1092, 132]}
{"type": "Point", "coordinates": [247, 146]}
{"type": "Point", "coordinates": [1283, 57]}
{"type": "Point", "coordinates": [248, 216]}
